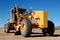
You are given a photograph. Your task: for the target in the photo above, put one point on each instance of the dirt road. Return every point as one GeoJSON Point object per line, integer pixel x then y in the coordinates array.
{"type": "Point", "coordinates": [36, 35]}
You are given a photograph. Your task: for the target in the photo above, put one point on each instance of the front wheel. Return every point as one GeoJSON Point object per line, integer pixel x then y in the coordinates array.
{"type": "Point", "coordinates": [50, 30]}
{"type": "Point", "coordinates": [26, 27]}
{"type": "Point", "coordinates": [6, 29]}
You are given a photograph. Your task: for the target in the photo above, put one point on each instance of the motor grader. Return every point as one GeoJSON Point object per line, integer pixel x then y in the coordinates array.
{"type": "Point", "coordinates": [23, 22]}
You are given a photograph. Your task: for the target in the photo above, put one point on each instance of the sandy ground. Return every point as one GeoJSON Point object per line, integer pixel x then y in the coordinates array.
{"type": "Point", "coordinates": [36, 35]}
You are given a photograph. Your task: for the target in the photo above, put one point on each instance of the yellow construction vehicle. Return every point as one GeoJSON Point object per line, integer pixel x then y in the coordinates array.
{"type": "Point", "coordinates": [23, 22]}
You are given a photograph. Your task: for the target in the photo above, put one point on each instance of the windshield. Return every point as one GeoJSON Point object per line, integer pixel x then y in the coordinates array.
{"type": "Point", "coordinates": [21, 11]}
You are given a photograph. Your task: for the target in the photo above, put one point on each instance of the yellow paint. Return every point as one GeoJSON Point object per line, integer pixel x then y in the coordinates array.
{"type": "Point", "coordinates": [41, 18]}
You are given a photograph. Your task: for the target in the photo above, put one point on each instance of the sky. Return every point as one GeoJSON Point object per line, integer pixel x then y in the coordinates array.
{"type": "Point", "coordinates": [51, 6]}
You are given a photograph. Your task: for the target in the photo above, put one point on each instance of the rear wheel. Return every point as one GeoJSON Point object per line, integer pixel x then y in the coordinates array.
{"type": "Point", "coordinates": [44, 32]}
{"type": "Point", "coordinates": [26, 27]}
{"type": "Point", "coordinates": [50, 30]}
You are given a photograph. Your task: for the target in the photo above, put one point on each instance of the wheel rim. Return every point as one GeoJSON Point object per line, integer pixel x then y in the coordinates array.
{"type": "Point", "coordinates": [23, 27]}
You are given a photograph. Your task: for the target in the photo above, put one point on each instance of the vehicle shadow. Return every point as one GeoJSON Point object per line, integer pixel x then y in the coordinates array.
{"type": "Point", "coordinates": [41, 35]}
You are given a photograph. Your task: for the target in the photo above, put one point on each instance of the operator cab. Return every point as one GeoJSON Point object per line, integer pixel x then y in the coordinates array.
{"type": "Point", "coordinates": [20, 10]}
{"type": "Point", "coordinates": [15, 10]}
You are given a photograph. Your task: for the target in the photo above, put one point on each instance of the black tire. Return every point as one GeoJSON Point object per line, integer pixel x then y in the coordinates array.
{"type": "Point", "coordinates": [44, 32]}
{"type": "Point", "coordinates": [28, 27]}
{"type": "Point", "coordinates": [50, 30]}
{"type": "Point", "coordinates": [6, 29]}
